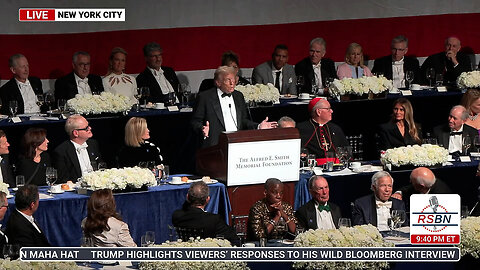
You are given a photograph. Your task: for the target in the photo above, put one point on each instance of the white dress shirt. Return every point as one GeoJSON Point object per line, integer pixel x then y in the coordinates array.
{"type": "Point", "coordinates": [83, 158]}
{"type": "Point", "coordinates": [229, 111]}
{"type": "Point", "coordinates": [324, 219]}
{"type": "Point", "coordinates": [1, 174]}
{"type": "Point", "coordinates": [30, 219]}
{"type": "Point", "coordinates": [82, 85]}
{"type": "Point", "coordinates": [6, 237]}
{"type": "Point", "coordinates": [165, 85]}
{"type": "Point", "coordinates": [455, 142]}
{"type": "Point", "coordinates": [28, 96]}
{"type": "Point", "coordinates": [383, 214]}
{"type": "Point", "coordinates": [398, 74]}
{"type": "Point", "coordinates": [274, 74]}
{"type": "Point", "coordinates": [317, 70]}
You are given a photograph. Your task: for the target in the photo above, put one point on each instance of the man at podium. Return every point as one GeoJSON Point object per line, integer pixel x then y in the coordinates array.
{"type": "Point", "coordinates": [223, 109]}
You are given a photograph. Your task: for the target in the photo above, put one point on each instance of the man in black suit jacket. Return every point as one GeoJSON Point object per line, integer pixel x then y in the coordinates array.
{"type": "Point", "coordinates": [318, 213]}
{"type": "Point", "coordinates": [193, 215]}
{"type": "Point", "coordinates": [323, 66]}
{"type": "Point", "coordinates": [21, 226]}
{"type": "Point", "coordinates": [21, 87]}
{"type": "Point", "coordinates": [79, 81]}
{"type": "Point", "coordinates": [397, 59]}
{"type": "Point", "coordinates": [159, 79]}
{"type": "Point", "coordinates": [3, 210]}
{"type": "Point", "coordinates": [451, 63]}
{"type": "Point", "coordinates": [5, 166]}
{"type": "Point", "coordinates": [215, 109]}
{"type": "Point", "coordinates": [77, 156]}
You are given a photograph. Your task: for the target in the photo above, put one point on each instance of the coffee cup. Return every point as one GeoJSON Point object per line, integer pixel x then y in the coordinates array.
{"type": "Point", "coordinates": [159, 106]}
{"type": "Point", "coordinates": [56, 189]}
{"type": "Point", "coordinates": [176, 179]}
{"type": "Point", "coordinates": [355, 165]}
{"type": "Point", "coordinates": [248, 245]}
{"type": "Point", "coordinates": [416, 87]}
{"type": "Point", "coordinates": [304, 95]}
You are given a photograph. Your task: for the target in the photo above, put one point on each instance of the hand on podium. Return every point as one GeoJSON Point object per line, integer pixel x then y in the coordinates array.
{"type": "Point", "coordinates": [266, 125]}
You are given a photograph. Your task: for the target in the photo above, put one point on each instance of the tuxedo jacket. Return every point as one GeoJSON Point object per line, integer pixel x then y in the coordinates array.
{"type": "Point", "coordinates": [444, 66]}
{"type": "Point", "coordinates": [365, 210]}
{"type": "Point", "coordinates": [10, 91]}
{"type": "Point", "coordinates": [7, 172]}
{"type": "Point", "coordinates": [390, 136]}
{"type": "Point", "coordinates": [309, 138]}
{"type": "Point", "coordinates": [263, 74]}
{"type": "Point", "coordinates": [66, 86]}
{"type": "Point", "coordinates": [384, 65]}
{"type": "Point", "coordinates": [442, 133]}
{"type": "Point", "coordinates": [66, 160]}
{"type": "Point", "coordinates": [438, 188]}
{"type": "Point", "coordinates": [146, 78]}
{"type": "Point", "coordinates": [307, 215]}
{"type": "Point", "coordinates": [305, 68]}
{"type": "Point", "coordinates": [208, 109]}
{"type": "Point", "coordinates": [20, 231]}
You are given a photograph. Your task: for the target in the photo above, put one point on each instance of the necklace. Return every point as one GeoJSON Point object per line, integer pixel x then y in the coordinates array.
{"type": "Point", "coordinates": [473, 117]}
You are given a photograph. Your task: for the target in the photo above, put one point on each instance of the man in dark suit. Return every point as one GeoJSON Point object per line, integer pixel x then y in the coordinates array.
{"type": "Point", "coordinates": [79, 155]}
{"type": "Point", "coordinates": [22, 229]}
{"type": "Point", "coordinates": [193, 215]}
{"type": "Point", "coordinates": [79, 81]}
{"type": "Point", "coordinates": [277, 72]}
{"type": "Point", "coordinates": [395, 66]}
{"type": "Point", "coordinates": [3, 210]}
{"type": "Point", "coordinates": [375, 209]}
{"type": "Point", "coordinates": [161, 80]}
{"type": "Point", "coordinates": [451, 135]}
{"type": "Point", "coordinates": [318, 213]}
{"type": "Point", "coordinates": [222, 109]}
{"type": "Point", "coordinates": [450, 63]}
{"type": "Point", "coordinates": [5, 166]}
{"type": "Point", "coordinates": [314, 68]}
{"type": "Point", "coordinates": [21, 87]}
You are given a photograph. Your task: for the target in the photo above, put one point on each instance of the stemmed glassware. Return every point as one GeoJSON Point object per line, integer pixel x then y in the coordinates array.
{"type": "Point", "coordinates": [61, 103]}
{"type": "Point", "coordinates": [398, 217]}
{"type": "Point", "coordinates": [137, 96]}
{"type": "Point", "coordinates": [467, 142]}
{"type": "Point", "coordinates": [149, 238]}
{"type": "Point", "coordinates": [145, 93]}
{"type": "Point", "coordinates": [185, 90]}
{"type": "Point", "coordinates": [49, 100]}
{"type": "Point", "coordinates": [300, 83]}
{"type": "Point", "coordinates": [476, 143]}
{"type": "Point", "coordinates": [13, 105]}
{"type": "Point", "coordinates": [430, 75]}
{"type": "Point", "coordinates": [8, 252]}
{"type": "Point", "coordinates": [39, 100]}
{"type": "Point", "coordinates": [303, 158]}
{"type": "Point", "coordinates": [409, 76]}
{"type": "Point", "coordinates": [51, 177]}
{"type": "Point", "coordinates": [312, 162]}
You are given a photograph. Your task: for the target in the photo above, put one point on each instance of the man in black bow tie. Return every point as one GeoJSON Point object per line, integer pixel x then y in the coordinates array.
{"type": "Point", "coordinates": [6, 172]}
{"type": "Point", "coordinates": [318, 213]}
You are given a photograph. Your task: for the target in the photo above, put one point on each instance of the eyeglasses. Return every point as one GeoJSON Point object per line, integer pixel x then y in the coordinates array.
{"type": "Point", "coordinates": [84, 129]}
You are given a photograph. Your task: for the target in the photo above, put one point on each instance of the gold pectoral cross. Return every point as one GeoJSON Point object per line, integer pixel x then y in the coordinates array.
{"type": "Point", "coordinates": [325, 145]}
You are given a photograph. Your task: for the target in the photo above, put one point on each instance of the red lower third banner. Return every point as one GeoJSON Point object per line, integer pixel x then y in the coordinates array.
{"type": "Point", "coordinates": [435, 239]}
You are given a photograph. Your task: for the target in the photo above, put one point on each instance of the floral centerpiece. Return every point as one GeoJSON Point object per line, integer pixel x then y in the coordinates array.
{"type": "Point", "coordinates": [4, 188]}
{"type": "Point", "coordinates": [17, 264]}
{"type": "Point", "coordinates": [470, 235]}
{"type": "Point", "coordinates": [118, 179]}
{"type": "Point", "coordinates": [259, 92]}
{"type": "Point", "coordinates": [106, 102]}
{"type": "Point", "coordinates": [416, 155]}
{"type": "Point", "coordinates": [358, 236]}
{"type": "Point", "coordinates": [208, 242]}
{"type": "Point", "coordinates": [469, 79]}
{"type": "Point", "coordinates": [360, 86]}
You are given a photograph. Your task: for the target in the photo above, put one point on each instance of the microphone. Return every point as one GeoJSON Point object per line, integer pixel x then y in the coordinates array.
{"type": "Point", "coordinates": [231, 114]}
{"type": "Point", "coordinates": [433, 203]}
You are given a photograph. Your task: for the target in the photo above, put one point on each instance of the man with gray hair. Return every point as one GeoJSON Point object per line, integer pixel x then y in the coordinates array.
{"type": "Point", "coordinates": [79, 81]}
{"type": "Point", "coordinates": [161, 80]}
{"type": "Point", "coordinates": [315, 69]}
{"type": "Point", "coordinates": [451, 134]}
{"type": "Point", "coordinates": [286, 122]}
{"type": "Point", "coordinates": [375, 208]}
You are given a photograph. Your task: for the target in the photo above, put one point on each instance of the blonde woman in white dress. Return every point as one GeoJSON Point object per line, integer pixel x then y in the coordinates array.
{"type": "Point", "coordinates": [116, 81]}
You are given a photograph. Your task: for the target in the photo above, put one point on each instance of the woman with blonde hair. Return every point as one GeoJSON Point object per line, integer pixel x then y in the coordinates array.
{"type": "Point", "coordinates": [353, 66]}
{"type": "Point", "coordinates": [471, 101]}
{"type": "Point", "coordinates": [116, 81]}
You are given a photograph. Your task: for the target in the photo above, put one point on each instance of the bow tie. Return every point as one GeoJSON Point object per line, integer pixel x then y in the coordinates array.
{"type": "Point", "coordinates": [81, 147]}
{"type": "Point", "coordinates": [387, 204]}
{"type": "Point", "coordinates": [226, 95]}
{"type": "Point", "coordinates": [398, 62]}
{"type": "Point", "coordinates": [85, 80]}
{"type": "Point", "coordinates": [324, 208]}
{"type": "Point", "coordinates": [25, 84]}
{"type": "Point", "coordinates": [453, 133]}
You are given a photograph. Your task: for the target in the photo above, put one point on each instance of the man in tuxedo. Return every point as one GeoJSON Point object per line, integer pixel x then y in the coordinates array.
{"type": "Point", "coordinates": [79, 155]}
{"type": "Point", "coordinates": [277, 72]}
{"type": "Point", "coordinates": [451, 135]}
{"type": "Point", "coordinates": [395, 66]}
{"type": "Point", "coordinates": [3, 210]}
{"type": "Point", "coordinates": [450, 63]}
{"type": "Point", "coordinates": [193, 215]}
{"type": "Point", "coordinates": [286, 122]}
{"type": "Point", "coordinates": [79, 81]}
{"type": "Point", "coordinates": [222, 109]}
{"type": "Point", "coordinates": [318, 213]}
{"type": "Point", "coordinates": [375, 209]}
{"type": "Point", "coordinates": [22, 229]}
{"type": "Point", "coordinates": [21, 88]}
{"type": "Point", "coordinates": [161, 80]}
{"type": "Point", "coordinates": [315, 69]}
{"type": "Point", "coordinates": [6, 174]}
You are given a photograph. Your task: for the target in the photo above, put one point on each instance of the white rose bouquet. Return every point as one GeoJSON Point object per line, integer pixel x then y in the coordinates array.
{"type": "Point", "coordinates": [424, 155]}
{"type": "Point", "coordinates": [118, 178]}
{"type": "Point", "coordinates": [469, 79]}
{"type": "Point", "coordinates": [106, 102]}
{"type": "Point", "coordinates": [470, 235]}
{"type": "Point", "coordinates": [259, 92]}
{"type": "Point", "coordinates": [4, 188]}
{"type": "Point", "coordinates": [17, 264]}
{"type": "Point", "coordinates": [360, 86]}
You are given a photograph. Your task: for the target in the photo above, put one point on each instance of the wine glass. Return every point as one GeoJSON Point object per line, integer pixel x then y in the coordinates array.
{"type": "Point", "coordinates": [467, 142]}
{"type": "Point", "coordinates": [165, 173]}
{"type": "Point", "coordinates": [145, 93]}
{"type": "Point", "coordinates": [409, 76]}
{"type": "Point", "coordinates": [315, 88]}
{"type": "Point", "coordinates": [186, 91]}
{"type": "Point", "coordinates": [102, 166]}
{"type": "Point", "coordinates": [13, 104]}
{"type": "Point", "coordinates": [49, 100]}
{"type": "Point", "coordinates": [398, 218]}
{"type": "Point", "coordinates": [51, 177]}
{"type": "Point", "coordinates": [312, 162]}
{"type": "Point", "coordinates": [300, 83]}
{"type": "Point", "coordinates": [149, 238]}
{"type": "Point", "coordinates": [137, 96]}
{"type": "Point", "coordinates": [303, 158]}
{"type": "Point", "coordinates": [39, 99]}
{"type": "Point", "coordinates": [344, 222]}
{"type": "Point", "coordinates": [476, 143]}
{"type": "Point", "coordinates": [430, 75]}
{"type": "Point", "coordinates": [171, 98]}
{"type": "Point", "coordinates": [61, 103]}
{"type": "Point", "coordinates": [8, 252]}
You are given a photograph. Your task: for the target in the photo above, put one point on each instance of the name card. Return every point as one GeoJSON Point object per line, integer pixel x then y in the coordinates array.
{"type": "Point", "coordinates": [16, 119]}
{"type": "Point", "coordinates": [406, 92]}
{"type": "Point", "coordinates": [172, 108]}
{"type": "Point", "coordinates": [442, 89]}
{"type": "Point", "coordinates": [465, 159]}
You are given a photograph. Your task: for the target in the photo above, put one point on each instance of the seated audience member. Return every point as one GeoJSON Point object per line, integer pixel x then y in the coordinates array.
{"type": "Point", "coordinates": [161, 80]}
{"type": "Point", "coordinates": [34, 160]}
{"type": "Point", "coordinates": [471, 101]}
{"type": "Point", "coordinates": [5, 166]}
{"type": "Point", "coordinates": [21, 87]}
{"type": "Point", "coordinates": [103, 224]}
{"type": "Point", "coordinates": [137, 148]}
{"type": "Point", "coordinates": [22, 229]}
{"type": "Point", "coordinates": [395, 66]}
{"type": "Point", "coordinates": [3, 210]}
{"type": "Point", "coordinates": [192, 215]}
{"type": "Point", "coordinates": [318, 134]}
{"type": "Point", "coordinates": [229, 59]}
{"type": "Point", "coordinates": [74, 158]}
{"type": "Point", "coordinates": [451, 63]}
{"type": "Point", "coordinates": [451, 135]}
{"type": "Point", "coordinates": [79, 81]}
{"type": "Point", "coordinates": [277, 72]}
{"type": "Point", "coordinates": [318, 213]}
{"type": "Point", "coordinates": [271, 217]}
{"type": "Point", "coordinates": [401, 130]}
{"type": "Point", "coordinates": [354, 66]}
{"type": "Point", "coordinates": [375, 208]}
{"type": "Point", "coordinates": [116, 81]}
{"type": "Point", "coordinates": [286, 122]}
{"type": "Point", "coordinates": [315, 69]}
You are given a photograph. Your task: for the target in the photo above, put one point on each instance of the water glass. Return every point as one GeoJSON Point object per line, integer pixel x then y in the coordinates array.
{"type": "Point", "coordinates": [102, 166]}
{"type": "Point", "coordinates": [263, 242]}
{"type": "Point", "coordinates": [149, 238]}
{"type": "Point", "coordinates": [51, 177]}
{"type": "Point", "coordinates": [464, 211]}
{"type": "Point", "coordinates": [312, 162]}
{"type": "Point", "coordinates": [13, 105]}
{"type": "Point", "coordinates": [344, 222]}
{"type": "Point", "coordinates": [61, 103]}
{"type": "Point", "coordinates": [20, 181]}
{"type": "Point", "coordinates": [165, 173]}
{"type": "Point", "coordinates": [8, 252]}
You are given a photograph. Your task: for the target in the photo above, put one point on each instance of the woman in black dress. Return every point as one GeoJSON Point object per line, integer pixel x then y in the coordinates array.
{"type": "Point", "coordinates": [34, 160]}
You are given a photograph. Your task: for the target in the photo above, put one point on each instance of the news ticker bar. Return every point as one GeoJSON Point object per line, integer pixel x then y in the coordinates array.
{"type": "Point", "coordinates": [71, 15]}
{"type": "Point", "coordinates": [390, 254]}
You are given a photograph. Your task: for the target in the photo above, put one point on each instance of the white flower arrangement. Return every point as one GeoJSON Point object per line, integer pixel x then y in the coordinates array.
{"type": "Point", "coordinates": [469, 79]}
{"type": "Point", "coordinates": [179, 265]}
{"type": "Point", "coordinates": [424, 155]}
{"type": "Point", "coordinates": [118, 178]}
{"type": "Point", "coordinates": [360, 86]}
{"type": "Point", "coordinates": [259, 92]}
{"type": "Point", "coordinates": [106, 102]}
{"type": "Point", "coordinates": [358, 236]}
{"type": "Point", "coordinates": [20, 265]}
{"type": "Point", "coordinates": [470, 235]}
{"type": "Point", "coordinates": [4, 188]}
